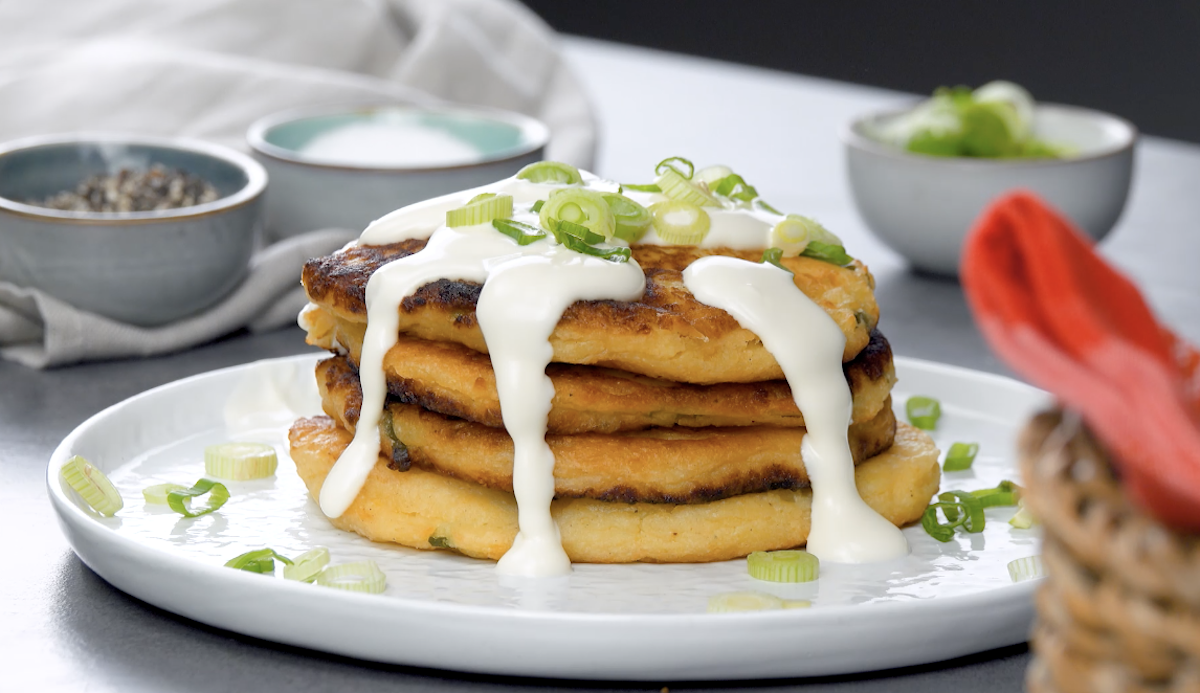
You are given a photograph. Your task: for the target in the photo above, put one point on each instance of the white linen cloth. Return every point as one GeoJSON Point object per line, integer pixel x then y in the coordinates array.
{"type": "Point", "coordinates": [209, 68]}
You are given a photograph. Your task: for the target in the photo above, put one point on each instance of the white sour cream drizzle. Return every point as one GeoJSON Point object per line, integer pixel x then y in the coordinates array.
{"type": "Point", "coordinates": [808, 345]}
{"type": "Point", "coordinates": [525, 291]}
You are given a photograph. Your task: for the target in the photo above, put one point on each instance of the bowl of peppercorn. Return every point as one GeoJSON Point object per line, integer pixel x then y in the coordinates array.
{"type": "Point", "coordinates": [142, 230]}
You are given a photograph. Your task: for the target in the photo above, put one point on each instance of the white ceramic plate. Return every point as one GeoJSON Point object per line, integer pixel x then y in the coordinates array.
{"type": "Point", "coordinates": [633, 622]}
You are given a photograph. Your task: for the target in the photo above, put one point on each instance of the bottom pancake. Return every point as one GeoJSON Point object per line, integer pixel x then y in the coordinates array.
{"type": "Point", "coordinates": [425, 510]}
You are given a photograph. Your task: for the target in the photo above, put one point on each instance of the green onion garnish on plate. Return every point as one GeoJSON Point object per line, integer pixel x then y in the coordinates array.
{"type": "Point", "coordinates": [240, 461]}
{"type": "Point", "coordinates": [522, 233]}
{"type": "Point", "coordinates": [586, 208]}
{"type": "Point", "coordinates": [157, 494]}
{"type": "Point", "coordinates": [1026, 568]}
{"type": "Point", "coordinates": [261, 561]}
{"type": "Point", "coordinates": [923, 412]}
{"type": "Point", "coordinates": [92, 486]}
{"type": "Point", "coordinates": [181, 500]}
{"type": "Point", "coordinates": [960, 457]}
{"type": "Point", "coordinates": [361, 576]}
{"type": "Point", "coordinates": [774, 256]}
{"type": "Point", "coordinates": [631, 218]}
{"type": "Point", "coordinates": [678, 164]}
{"type": "Point", "coordinates": [480, 210]}
{"type": "Point", "coordinates": [551, 172]}
{"type": "Point", "coordinates": [679, 222]}
{"type": "Point", "coordinates": [308, 565]}
{"type": "Point", "coordinates": [783, 566]}
{"type": "Point", "coordinates": [646, 188]}
{"type": "Point", "coordinates": [677, 187]}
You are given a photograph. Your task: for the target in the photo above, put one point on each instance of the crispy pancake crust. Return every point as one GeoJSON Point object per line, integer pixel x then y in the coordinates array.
{"type": "Point", "coordinates": [656, 465]}
{"type": "Point", "coordinates": [413, 507]}
{"type": "Point", "coordinates": [457, 381]}
{"type": "Point", "coordinates": [666, 334]}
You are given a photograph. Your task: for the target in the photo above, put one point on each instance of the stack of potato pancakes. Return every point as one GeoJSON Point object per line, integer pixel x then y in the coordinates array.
{"type": "Point", "coordinates": [674, 432]}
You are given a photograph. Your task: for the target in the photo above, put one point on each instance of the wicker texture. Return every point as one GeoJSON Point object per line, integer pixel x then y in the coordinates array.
{"type": "Point", "coordinates": [1120, 609]}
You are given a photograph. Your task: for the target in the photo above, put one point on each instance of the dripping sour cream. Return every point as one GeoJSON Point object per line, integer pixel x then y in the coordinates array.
{"type": "Point", "coordinates": [525, 291]}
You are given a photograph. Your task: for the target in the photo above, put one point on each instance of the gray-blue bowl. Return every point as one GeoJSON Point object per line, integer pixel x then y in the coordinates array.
{"type": "Point", "coordinates": [141, 268]}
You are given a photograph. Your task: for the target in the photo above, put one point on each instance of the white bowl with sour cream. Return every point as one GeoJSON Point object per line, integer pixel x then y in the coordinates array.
{"type": "Point", "coordinates": [923, 206]}
{"type": "Point", "coordinates": [344, 167]}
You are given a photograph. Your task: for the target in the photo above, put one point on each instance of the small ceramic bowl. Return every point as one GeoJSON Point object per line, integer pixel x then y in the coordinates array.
{"type": "Point", "coordinates": [141, 268]}
{"type": "Point", "coordinates": [346, 167]}
{"type": "Point", "coordinates": [922, 206]}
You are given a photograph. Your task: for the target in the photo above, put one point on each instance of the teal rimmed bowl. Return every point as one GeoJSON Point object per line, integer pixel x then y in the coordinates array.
{"type": "Point", "coordinates": [140, 268]}
{"type": "Point", "coordinates": [345, 167]}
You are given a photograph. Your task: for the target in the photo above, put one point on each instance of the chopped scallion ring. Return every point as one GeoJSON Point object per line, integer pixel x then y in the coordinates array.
{"type": "Point", "coordinates": [618, 254]}
{"type": "Point", "coordinates": [1027, 568]}
{"type": "Point", "coordinates": [1023, 519]}
{"type": "Point", "coordinates": [732, 602]}
{"type": "Point", "coordinates": [647, 188]}
{"type": "Point", "coordinates": [631, 218]}
{"type": "Point", "coordinates": [157, 494]}
{"type": "Point", "coordinates": [710, 175]}
{"type": "Point", "coordinates": [583, 233]}
{"type": "Point", "coordinates": [480, 210]}
{"type": "Point", "coordinates": [181, 501]}
{"type": "Point", "coordinates": [523, 234]}
{"type": "Point", "coordinates": [783, 566]}
{"type": "Point", "coordinates": [677, 187]}
{"type": "Point", "coordinates": [923, 412]}
{"type": "Point", "coordinates": [261, 561]}
{"type": "Point", "coordinates": [1005, 494]}
{"type": "Point", "coordinates": [933, 527]}
{"type": "Point", "coordinates": [775, 257]}
{"type": "Point", "coordinates": [578, 206]}
{"type": "Point", "coordinates": [825, 252]}
{"type": "Point", "coordinates": [679, 222]}
{"type": "Point", "coordinates": [92, 486]}
{"type": "Point", "coordinates": [677, 164]}
{"type": "Point", "coordinates": [362, 576]}
{"type": "Point", "coordinates": [735, 187]}
{"type": "Point", "coordinates": [308, 565]}
{"type": "Point", "coordinates": [240, 461]}
{"type": "Point", "coordinates": [973, 519]}
{"type": "Point", "coordinates": [537, 206]}
{"type": "Point", "coordinates": [960, 457]}
{"type": "Point", "coordinates": [551, 172]}
{"type": "Point", "coordinates": [762, 204]}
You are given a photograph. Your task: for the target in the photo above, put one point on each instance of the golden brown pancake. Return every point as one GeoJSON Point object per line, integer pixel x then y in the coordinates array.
{"type": "Point", "coordinates": [426, 510]}
{"type": "Point", "coordinates": [452, 379]}
{"type": "Point", "coordinates": [656, 465]}
{"type": "Point", "coordinates": [665, 334]}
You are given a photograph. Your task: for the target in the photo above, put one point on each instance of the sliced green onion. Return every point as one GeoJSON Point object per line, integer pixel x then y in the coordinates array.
{"type": "Point", "coordinates": [1006, 493]}
{"type": "Point", "coordinates": [960, 457]}
{"type": "Point", "coordinates": [157, 494]}
{"type": "Point", "coordinates": [833, 254]}
{"type": "Point", "coordinates": [677, 164]}
{"type": "Point", "coordinates": [631, 218]}
{"type": "Point", "coordinates": [933, 527]}
{"type": "Point", "coordinates": [260, 561]}
{"type": "Point", "coordinates": [923, 412]}
{"type": "Point", "coordinates": [1023, 519]}
{"type": "Point", "coordinates": [973, 519]}
{"type": "Point", "coordinates": [735, 187]}
{"type": "Point", "coordinates": [578, 206]}
{"type": "Point", "coordinates": [618, 254]}
{"type": "Point", "coordinates": [583, 233]}
{"type": "Point", "coordinates": [1027, 568]}
{"type": "Point", "coordinates": [362, 576]}
{"type": "Point", "coordinates": [732, 602]}
{"type": "Point", "coordinates": [775, 257]}
{"type": "Point", "coordinates": [551, 172]}
{"type": "Point", "coordinates": [308, 565]}
{"type": "Point", "coordinates": [783, 566]}
{"type": "Point", "coordinates": [480, 210]}
{"type": "Point", "coordinates": [240, 461]}
{"type": "Point", "coordinates": [92, 486]}
{"type": "Point", "coordinates": [679, 188]}
{"type": "Point", "coordinates": [181, 501]}
{"type": "Point", "coordinates": [523, 234]}
{"type": "Point", "coordinates": [762, 204]}
{"type": "Point", "coordinates": [537, 206]}
{"type": "Point", "coordinates": [711, 175]}
{"type": "Point", "coordinates": [679, 222]}
{"type": "Point", "coordinates": [646, 188]}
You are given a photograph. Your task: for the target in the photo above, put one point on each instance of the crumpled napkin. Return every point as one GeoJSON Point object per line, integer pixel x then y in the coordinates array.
{"type": "Point", "coordinates": [1061, 316]}
{"type": "Point", "coordinates": [209, 68]}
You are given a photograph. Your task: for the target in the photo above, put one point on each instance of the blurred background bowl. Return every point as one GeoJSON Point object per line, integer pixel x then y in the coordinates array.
{"type": "Point", "coordinates": [142, 268]}
{"type": "Point", "coordinates": [922, 206]}
{"type": "Point", "coordinates": [346, 167]}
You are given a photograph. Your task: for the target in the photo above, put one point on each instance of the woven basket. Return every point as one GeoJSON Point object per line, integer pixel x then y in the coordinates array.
{"type": "Point", "coordinates": [1120, 608]}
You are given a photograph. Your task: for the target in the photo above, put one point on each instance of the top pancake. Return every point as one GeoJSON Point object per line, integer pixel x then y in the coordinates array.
{"type": "Point", "coordinates": [665, 334]}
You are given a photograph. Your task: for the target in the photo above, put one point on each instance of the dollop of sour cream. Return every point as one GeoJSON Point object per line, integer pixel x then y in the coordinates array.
{"type": "Point", "coordinates": [527, 288]}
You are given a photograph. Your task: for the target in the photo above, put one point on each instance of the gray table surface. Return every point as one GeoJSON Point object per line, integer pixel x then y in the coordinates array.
{"type": "Point", "coordinates": [62, 628]}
